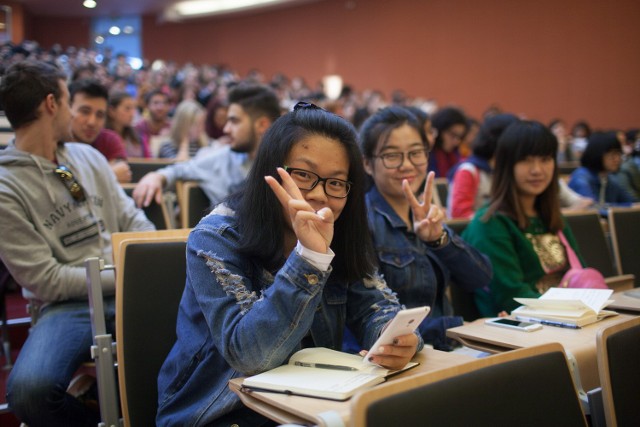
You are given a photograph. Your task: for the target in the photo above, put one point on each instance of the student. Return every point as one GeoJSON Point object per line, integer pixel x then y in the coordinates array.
{"type": "Point", "coordinates": [418, 255]}
{"type": "Point", "coordinates": [451, 124]}
{"type": "Point", "coordinates": [252, 109]}
{"type": "Point", "coordinates": [596, 178]}
{"type": "Point", "coordinates": [120, 115]}
{"type": "Point", "coordinates": [518, 230]}
{"type": "Point", "coordinates": [471, 181]}
{"type": "Point", "coordinates": [187, 135]}
{"type": "Point", "coordinates": [89, 115]}
{"type": "Point", "coordinates": [58, 207]}
{"type": "Point", "coordinates": [284, 264]}
{"type": "Point", "coordinates": [155, 122]}
{"type": "Point", "coordinates": [470, 185]}
{"type": "Point", "coordinates": [629, 175]}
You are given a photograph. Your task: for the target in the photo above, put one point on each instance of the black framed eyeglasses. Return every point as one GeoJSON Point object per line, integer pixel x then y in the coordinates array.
{"type": "Point", "coordinates": [302, 105]}
{"type": "Point", "coordinates": [394, 160]}
{"type": "Point", "coordinates": [307, 180]}
{"type": "Point", "coordinates": [69, 180]}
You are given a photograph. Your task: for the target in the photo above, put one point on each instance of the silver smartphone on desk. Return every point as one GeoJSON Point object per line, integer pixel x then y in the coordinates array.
{"type": "Point", "coordinates": [518, 325]}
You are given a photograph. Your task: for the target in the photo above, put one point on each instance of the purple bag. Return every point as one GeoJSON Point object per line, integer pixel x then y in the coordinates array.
{"type": "Point", "coordinates": [578, 276]}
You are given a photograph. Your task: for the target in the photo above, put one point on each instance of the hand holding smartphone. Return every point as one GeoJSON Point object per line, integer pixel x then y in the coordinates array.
{"type": "Point", "coordinates": [405, 322]}
{"type": "Point", "coordinates": [518, 325]}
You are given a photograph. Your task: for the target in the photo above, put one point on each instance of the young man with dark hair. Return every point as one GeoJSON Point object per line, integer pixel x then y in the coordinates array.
{"type": "Point", "coordinates": [157, 122]}
{"type": "Point", "coordinates": [89, 100]}
{"type": "Point", "coordinates": [252, 109]}
{"type": "Point", "coordinates": [58, 208]}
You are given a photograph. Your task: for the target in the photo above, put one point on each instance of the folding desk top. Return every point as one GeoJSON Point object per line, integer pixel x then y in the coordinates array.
{"type": "Point", "coordinates": [581, 343]}
{"type": "Point", "coordinates": [304, 410]}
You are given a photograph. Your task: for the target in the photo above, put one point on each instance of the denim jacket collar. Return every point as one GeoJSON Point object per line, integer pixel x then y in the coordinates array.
{"type": "Point", "coordinates": [377, 202]}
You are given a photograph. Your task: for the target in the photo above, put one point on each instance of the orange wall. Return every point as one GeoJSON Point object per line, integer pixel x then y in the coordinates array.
{"type": "Point", "coordinates": [574, 59]}
{"type": "Point", "coordinates": [66, 31]}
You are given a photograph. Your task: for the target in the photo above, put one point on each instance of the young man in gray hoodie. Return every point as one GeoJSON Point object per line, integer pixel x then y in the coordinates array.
{"type": "Point", "coordinates": [59, 204]}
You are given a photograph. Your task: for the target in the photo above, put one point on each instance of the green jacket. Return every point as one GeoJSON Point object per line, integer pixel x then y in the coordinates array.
{"type": "Point", "coordinates": [516, 267]}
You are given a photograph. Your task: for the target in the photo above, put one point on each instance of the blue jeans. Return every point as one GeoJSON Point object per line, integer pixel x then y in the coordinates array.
{"type": "Point", "coordinates": [57, 346]}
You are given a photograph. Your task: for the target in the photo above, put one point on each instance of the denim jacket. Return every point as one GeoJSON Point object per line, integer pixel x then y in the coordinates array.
{"type": "Point", "coordinates": [237, 319]}
{"type": "Point", "coordinates": [588, 183]}
{"type": "Point", "coordinates": [420, 274]}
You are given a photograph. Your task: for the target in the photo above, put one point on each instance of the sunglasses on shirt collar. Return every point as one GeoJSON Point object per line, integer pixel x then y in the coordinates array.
{"type": "Point", "coordinates": [69, 180]}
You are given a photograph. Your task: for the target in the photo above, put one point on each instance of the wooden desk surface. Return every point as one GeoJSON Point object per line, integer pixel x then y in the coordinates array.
{"type": "Point", "coordinates": [581, 343]}
{"type": "Point", "coordinates": [283, 408]}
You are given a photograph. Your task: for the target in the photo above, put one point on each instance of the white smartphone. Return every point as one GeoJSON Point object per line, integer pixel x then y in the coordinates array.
{"type": "Point", "coordinates": [518, 325]}
{"type": "Point", "coordinates": [405, 322]}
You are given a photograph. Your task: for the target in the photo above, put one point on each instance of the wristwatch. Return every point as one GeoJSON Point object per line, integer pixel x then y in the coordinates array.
{"type": "Point", "coordinates": [440, 240]}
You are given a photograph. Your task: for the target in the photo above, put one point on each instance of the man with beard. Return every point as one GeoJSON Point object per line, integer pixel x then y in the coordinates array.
{"type": "Point", "coordinates": [252, 109]}
{"type": "Point", "coordinates": [58, 208]}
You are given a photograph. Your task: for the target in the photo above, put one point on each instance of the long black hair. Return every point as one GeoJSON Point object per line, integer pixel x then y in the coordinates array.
{"type": "Point", "coordinates": [520, 140]}
{"type": "Point", "coordinates": [261, 221]}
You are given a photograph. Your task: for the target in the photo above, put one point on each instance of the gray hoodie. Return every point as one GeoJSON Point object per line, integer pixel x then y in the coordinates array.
{"type": "Point", "coordinates": [45, 235]}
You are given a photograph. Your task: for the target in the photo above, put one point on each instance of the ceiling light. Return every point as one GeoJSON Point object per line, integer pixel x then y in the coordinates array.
{"type": "Point", "coordinates": [114, 30]}
{"type": "Point", "coordinates": [89, 4]}
{"type": "Point", "coordinates": [99, 39]}
{"type": "Point", "coordinates": [128, 29]}
{"type": "Point", "coordinates": [210, 7]}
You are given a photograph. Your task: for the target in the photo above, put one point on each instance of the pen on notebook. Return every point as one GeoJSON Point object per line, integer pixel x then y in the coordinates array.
{"type": "Point", "coordinates": [549, 322]}
{"type": "Point", "coordinates": [326, 366]}
{"type": "Point", "coordinates": [559, 324]}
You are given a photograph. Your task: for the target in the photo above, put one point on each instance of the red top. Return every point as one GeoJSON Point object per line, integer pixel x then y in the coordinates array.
{"type": "Point", "coordinates": [110, 145]}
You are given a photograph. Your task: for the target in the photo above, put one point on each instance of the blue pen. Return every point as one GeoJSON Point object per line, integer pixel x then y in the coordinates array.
{"type": "Point", "coordinates": [549, 322]}
{"type": "Point", "coordinates": [559, 324]}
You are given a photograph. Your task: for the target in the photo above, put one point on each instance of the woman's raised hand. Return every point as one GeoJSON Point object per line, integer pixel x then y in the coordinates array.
{"type": "Point", "coordinates": [427, 217]}
{"type": "Point", "coordinates": [313, 229]}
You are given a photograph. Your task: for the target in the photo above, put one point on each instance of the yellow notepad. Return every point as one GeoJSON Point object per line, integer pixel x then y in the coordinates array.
{"type": "Point", "coordinates": [321, 372]}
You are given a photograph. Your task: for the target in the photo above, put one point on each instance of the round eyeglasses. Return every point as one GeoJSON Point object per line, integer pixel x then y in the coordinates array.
{"type": "Point", "coordinates": [307, 180]}
{"type": "Point", "coordinates": [395, 160]}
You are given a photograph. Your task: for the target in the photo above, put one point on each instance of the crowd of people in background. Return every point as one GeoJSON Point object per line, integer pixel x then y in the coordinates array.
{"type": "Point", "coordinates": [173, 111]}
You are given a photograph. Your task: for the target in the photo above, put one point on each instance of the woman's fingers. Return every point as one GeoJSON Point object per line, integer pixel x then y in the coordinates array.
{"type": "Point", "coordinates": [286, 191]}
{"type": "Point", "coordinates": [396, 355]}
{"type": "Point", "coordinates": [416, 207]}
{"type": "Point", "coordinates": [428, 188]}
{"type": "Point", "coordinates": [289, 185]}
{"type": "Point", "coordinates": [277, 189]}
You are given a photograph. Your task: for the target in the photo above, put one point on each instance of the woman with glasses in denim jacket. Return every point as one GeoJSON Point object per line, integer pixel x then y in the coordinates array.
{"type": "Point", "coordinates": [285, 263]}
{"type": "Point", "coordinates": [417, 254]}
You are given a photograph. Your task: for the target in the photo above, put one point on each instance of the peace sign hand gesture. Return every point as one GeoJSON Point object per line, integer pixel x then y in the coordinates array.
{"type": "Point", "coordinates": [427, 217]}
{"type": "Point", "coordinates": [313, 229]}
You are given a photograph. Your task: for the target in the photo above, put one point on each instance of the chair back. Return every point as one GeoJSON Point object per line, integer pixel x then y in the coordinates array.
{"type": "Point", "coordinates": [194, 203]}
{"type": "Point", "coordinates": [527, 387]}
{"type": "Point", "coordinates": [150, 277]}
{"type": "Point", "coordinates": [624, 225]}
{"type": "Point", "coordinates": [618, 348]}
{"type": "Point", "coordinates": [462, 301]}
{"type": "Point", "coordinates": [158, 214]}
{"type": "Point", "coordinates": [458, 224]}
{"type": "Point", "coordinates": [592, 241]}
{"type": "Point", "coordinates": [142, 166]}
{"type": "Point", "coordinates": [441, 193]}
